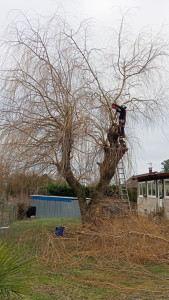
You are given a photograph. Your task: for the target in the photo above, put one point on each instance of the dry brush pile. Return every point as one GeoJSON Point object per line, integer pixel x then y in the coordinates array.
{"type": "Point", "coordinates": [132, 239]}
{"type": "Point", "coordinates": [120, 255]}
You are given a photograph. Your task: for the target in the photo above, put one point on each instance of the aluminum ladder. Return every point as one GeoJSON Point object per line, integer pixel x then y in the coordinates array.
{"type": "Point", "coordinates": [123, 191]}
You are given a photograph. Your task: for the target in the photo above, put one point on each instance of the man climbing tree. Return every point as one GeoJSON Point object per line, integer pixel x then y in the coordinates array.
{"type": "Point", "coordinates": [122, 120]}
{"type": "Point", "coordinates": [56, 96]}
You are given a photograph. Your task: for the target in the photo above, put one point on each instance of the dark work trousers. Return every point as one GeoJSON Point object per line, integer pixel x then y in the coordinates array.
{"type": "Point", "coordinates": [121, 128]}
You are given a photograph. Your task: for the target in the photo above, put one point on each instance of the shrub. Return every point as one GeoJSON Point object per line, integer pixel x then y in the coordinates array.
{"type": "Point", "coordinates": [21, 211]}
{"type": "Point", "coordinates": [58, 189]}
{"type": "Point", "coordinates": [14, 271]}
{"type": "Point", "coordinates": [132, 191]}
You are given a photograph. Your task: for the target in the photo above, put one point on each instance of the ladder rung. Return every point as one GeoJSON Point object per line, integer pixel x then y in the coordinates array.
{"type": "Point", "coordinates": [120, 173]}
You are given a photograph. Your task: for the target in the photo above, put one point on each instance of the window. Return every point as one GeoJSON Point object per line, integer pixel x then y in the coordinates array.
{"type": "Point", "coordinates": [151, 186]}
{"type": "Point", "coordinates": [160, 189]}
{"type": "Point", "coordinates": [154, 188]}
{"type": "Point", "coordinates": [142, 188]}
{"type": "Point", "coordinates": [167, 188]}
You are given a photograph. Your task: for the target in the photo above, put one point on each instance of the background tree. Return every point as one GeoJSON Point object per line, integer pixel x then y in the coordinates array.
{"type": "Point", "coordinates": [20, 184]}
{"type": "Point", "coordinates": [56, 96]}
{"type": "Point", "coordinates": [165, 165]}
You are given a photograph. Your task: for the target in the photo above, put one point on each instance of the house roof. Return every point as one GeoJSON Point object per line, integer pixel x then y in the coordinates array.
{"type": "Point", "coordinates": [151, 176]}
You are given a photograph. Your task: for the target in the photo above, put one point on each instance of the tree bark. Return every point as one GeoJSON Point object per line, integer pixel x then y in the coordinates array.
{"type": "Point", "coordinates": [113, 152]}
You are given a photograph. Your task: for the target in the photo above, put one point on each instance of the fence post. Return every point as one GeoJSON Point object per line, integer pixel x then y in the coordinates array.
{"type": "Point", "coordinates": [2, 214]}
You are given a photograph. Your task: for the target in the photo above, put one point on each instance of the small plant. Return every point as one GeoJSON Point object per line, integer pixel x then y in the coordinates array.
{"type": "Point", "coordinates": [14, 271]}
{"type": "Point", "coordinates": [21, 210]}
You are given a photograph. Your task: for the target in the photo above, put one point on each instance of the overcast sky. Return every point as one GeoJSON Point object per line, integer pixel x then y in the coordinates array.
{"type": "Point", "coordinates": [154, 13]}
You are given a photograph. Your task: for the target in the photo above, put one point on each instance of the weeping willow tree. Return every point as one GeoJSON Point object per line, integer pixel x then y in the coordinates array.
{"type": "Point", "coordinates": [57, 93]}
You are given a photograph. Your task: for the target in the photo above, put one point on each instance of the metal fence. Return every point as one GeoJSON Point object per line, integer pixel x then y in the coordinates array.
{"type": "Point", "coordinates": [7, 214]}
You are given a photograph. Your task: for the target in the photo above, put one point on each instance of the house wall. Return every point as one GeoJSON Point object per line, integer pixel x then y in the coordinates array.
{"type": "Point", "coordinates": [147, 205]}
{"type": "Point", "coordinates": [154, 204]}
{"type": "Point", "coordinates": [166, 207]}
{"type": "Point", "coordinates": [153, 194]}
{"type": "Point", "coordinates": [55, 207]}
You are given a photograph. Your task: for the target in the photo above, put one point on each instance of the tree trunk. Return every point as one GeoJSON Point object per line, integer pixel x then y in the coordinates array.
{"type": "Point", "coordinates": [113, 152]}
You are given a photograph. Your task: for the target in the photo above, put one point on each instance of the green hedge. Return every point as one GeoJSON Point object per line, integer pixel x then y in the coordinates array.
{"type": "Point", "coordinates": [58, 189]}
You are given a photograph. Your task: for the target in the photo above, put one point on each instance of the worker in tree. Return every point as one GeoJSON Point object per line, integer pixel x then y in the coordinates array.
{"type": "Point", "coordinates": [122, 119]}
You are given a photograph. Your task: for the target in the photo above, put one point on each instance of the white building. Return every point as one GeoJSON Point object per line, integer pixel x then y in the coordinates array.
{"type": "Point", "coordinates": [153, 193]}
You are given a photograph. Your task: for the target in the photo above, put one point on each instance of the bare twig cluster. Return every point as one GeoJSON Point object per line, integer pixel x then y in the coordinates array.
{"type": "Point", "coordinates": [133, 239]}
{"type": "Point", "coordinates": [121, 246]}
{"type": "Point", "coordinates": [56, 96]}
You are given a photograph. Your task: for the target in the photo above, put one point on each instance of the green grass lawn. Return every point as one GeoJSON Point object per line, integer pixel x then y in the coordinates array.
{"type": "Point", "coordinates": [58, 276]}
